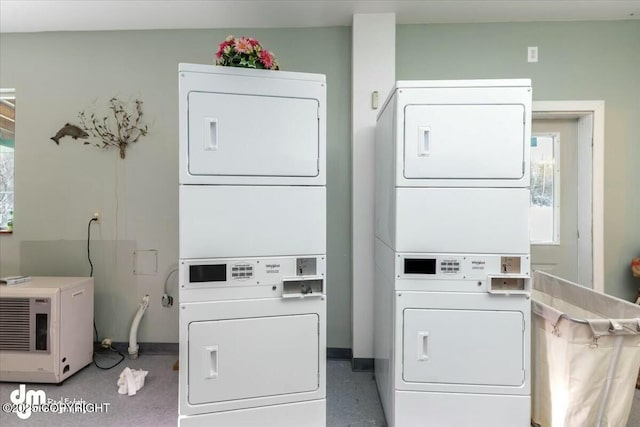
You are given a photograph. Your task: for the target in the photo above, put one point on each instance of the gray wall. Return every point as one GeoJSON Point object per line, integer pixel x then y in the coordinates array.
{"type": "Point", "coordinates": [56, 75]}
{"type": "Point", "coordinates": [578, 61]}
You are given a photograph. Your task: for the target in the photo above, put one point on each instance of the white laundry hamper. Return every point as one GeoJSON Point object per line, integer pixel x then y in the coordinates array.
{"type": "Point", "coordinates": [586, 355]}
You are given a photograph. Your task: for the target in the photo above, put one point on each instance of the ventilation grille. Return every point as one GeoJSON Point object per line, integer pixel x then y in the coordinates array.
{"type": "Point", "coordinates": [14, 324]}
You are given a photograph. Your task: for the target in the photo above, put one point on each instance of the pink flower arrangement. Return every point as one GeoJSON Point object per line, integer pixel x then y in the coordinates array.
{"type": "Point", "coordinates": [245, 52]}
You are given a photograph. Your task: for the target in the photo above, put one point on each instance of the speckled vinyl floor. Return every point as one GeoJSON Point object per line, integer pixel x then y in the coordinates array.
{"type": "Point", "coordinates": [352, 399]}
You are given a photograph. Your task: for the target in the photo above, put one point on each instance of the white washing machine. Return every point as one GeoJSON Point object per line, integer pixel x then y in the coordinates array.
{"type": "Point", "coordinates": [252, 247]}
{"type": "Point", "coordinates": [452, 283]}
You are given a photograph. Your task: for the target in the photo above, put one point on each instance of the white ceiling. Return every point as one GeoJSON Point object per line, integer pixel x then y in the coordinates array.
{"type": "Point", "coordinates": [89, 15]}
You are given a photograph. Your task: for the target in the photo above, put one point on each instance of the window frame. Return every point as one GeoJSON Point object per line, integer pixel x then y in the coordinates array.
{"type": "Point", "coordinates": [556, 241]}
{"type": "Point", "coordinates": [9, 94]}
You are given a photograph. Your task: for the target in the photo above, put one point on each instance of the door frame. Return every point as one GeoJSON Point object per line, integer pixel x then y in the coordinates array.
{"type": "Point", "coordinates": [590, 116]}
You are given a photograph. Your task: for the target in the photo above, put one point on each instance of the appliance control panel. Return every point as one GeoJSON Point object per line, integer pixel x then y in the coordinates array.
{"type": "Point", "coordinates": [241, 271]}
{"type": "Point", "coordinates": [489, 273]}
{"type": "Point", "coordinates": [253, 272]}
{"type": "Point", "coordinates": [450, 266]}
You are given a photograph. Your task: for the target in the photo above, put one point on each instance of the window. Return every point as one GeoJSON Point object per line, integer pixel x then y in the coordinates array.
{"type": "Point", "coordinates": [545, 189]}
{"type": "Point", "coordinates": [7, 143]}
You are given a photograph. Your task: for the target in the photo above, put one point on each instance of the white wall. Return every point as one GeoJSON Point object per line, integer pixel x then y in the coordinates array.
{"type": "Point", "coordinates": [373, 69]}
{"type": "Point", "coordinates": [56, 75]}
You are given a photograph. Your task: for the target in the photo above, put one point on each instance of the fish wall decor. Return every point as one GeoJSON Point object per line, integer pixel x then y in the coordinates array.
{"type": "Point", "coordinates": [69, 130]}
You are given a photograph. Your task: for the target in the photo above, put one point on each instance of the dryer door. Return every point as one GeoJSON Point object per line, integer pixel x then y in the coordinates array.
{"type": "Point", "coordinates": [478, 141]}
{"type": "Point", "coordinates": [256, 357]}
{"type": "Point", "coordinates": [470, 347]}
{"type": "Point", "coordinates": [250, 135]}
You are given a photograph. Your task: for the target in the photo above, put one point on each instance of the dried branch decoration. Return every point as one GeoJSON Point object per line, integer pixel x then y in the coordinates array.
{"type": "Point", "coordinates": [119, 129]}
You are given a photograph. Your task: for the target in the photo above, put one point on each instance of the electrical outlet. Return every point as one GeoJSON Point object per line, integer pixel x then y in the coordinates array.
{"type": "Point", "coordinates": [106, 343]}
{"type": "Point", "coordinates": [532, 54]}
{"type": "Point", "coordinates": [97, 215]}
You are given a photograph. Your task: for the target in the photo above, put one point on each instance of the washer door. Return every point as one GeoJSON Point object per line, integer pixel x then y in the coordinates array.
{"type": "Point", "coordinates": [470, 347]}
{"type": "Point", "coordinates": [253, 357]}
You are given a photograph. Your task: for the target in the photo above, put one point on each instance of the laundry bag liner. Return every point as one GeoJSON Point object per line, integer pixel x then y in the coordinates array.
{"type": "Point", "coordinates": [585, 355]}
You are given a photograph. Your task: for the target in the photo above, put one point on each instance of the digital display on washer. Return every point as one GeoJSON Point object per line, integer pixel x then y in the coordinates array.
{"type": "Point", "coordinates": [419, 266]}
{"type": "Point", "coordinates": [208, 273]}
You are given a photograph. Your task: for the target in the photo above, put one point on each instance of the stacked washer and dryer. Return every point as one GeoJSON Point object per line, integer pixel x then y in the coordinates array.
{"type": "Point", "coordinates": [452, 283]}
{"type": "Point", "coordinates": [252, 247]}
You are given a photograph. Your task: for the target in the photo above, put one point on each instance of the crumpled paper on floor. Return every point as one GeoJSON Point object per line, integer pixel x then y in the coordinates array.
{"type": "Point", "coordinates": [131, 380]}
